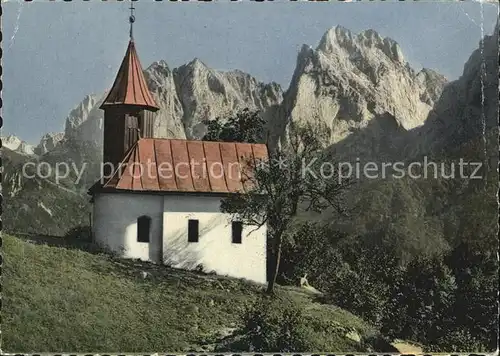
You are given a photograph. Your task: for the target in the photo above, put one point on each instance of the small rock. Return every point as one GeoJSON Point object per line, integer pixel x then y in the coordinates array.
{"type": "Point", "coordinates": [144, 274]}
{"type": "Point", "coordinates": [207, 348]}
{"type": "Point", "coordinates": [303, 281]}
{"type": "Point", "coordinates": [193, 309]}
{"type": "Point", "coordinates": [211, 303]}
{"type": "Point", "coordinates": [225, 332]}
{"type": "Point", "coordinates": [353, 335]}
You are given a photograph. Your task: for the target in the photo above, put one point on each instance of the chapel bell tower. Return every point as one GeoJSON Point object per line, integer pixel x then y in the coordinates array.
{"type": "Point", "coordinates": [128, 109]}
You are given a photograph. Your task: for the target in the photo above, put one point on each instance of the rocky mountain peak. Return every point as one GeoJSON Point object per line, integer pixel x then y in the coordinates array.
{"type": "Point", "coordinates": [158, 75]}
{"type": "Point", "coordinates": [159, 67]}
{"type": "Point", "coordinates": [370, 38]}
{"type": "Point", "coordinates": [340, 39]}
{"type": "Point", "coordinates": [11, 141]}
{"type": "Point", "coordinates": [15, 144]}
{"type": "Point", "coordinates": [334, 38]}
{"type": "Point", "coordinates": [207, 94]}
{"type": "Point", "coordinates": [159, 64]}
{"type": "Point", "coordinates": [433, 82]}
{"type": "Point", "coordinates": [349, 79]}
{"type": "Point", "coordinates": [48, 142]}
{"type": "Point", "coordinates": [196, 65]}
{"type": "Point", "coordinates": [80, 113]}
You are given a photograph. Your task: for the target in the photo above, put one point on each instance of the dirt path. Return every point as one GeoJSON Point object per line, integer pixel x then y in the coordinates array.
{"type": "Point", "coordinates": [405, 348]}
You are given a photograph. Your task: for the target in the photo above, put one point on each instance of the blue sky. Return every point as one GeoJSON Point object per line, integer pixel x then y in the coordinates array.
{"type": "Point", "coordinates": [56, 53]}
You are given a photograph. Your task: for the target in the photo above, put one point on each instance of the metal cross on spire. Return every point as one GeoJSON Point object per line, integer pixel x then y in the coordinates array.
{"type": "Point", "coordinates": [131, 19]}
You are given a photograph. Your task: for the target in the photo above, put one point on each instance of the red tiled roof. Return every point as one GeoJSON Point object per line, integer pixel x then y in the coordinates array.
{"type": "Point", "coordinates": [172, 165]}
{"type": "Point", "coordinates": [130, 87]}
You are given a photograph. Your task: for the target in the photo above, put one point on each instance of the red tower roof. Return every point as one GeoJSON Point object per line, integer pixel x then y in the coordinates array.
{"type": "Point", "coordinates": [130, 87]}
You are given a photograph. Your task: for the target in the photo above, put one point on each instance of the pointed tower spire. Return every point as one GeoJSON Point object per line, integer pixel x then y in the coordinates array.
{"type": "Point", "coordinates": [130, 86]}
{"type": "Point", "coordinates": [128, 108]}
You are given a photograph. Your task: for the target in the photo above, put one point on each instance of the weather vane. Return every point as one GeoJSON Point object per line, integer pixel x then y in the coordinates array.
{"type": "Point", "coordinates": [131, 19]}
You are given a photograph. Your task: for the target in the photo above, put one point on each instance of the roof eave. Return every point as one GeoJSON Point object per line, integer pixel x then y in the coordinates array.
{"type": "Point", "coordinates": [160, 192]}
{"type": "Point", "coordinates": [131, 106]}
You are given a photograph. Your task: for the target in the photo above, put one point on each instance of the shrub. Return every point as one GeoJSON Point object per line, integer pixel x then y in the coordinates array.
{"type": "Point", "coordinates": [476, 275]}
{"type": "Point", "coordinates": [423, 303]}
{"type": "Point", "coordinates": [448, 303]}
{"type": "Point", "coordinates": [273, 324]}
{"type": "Point", "coordinates": [80, 233]}
{"type": "Point", "coordinates": [359, 293]}
{"type": "Point", "coordinates": [363, 281]}
{"type": "Point", "coordinates": [457, 340]}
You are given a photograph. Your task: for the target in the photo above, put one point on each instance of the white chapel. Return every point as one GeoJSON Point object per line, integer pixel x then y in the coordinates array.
{"type": "Point", "coordinates": [159, 199]}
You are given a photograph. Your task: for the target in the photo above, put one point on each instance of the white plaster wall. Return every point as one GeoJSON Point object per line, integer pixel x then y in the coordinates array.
{"type": "Point", "coordinates": [214, 251]}
{"type": "Point", "coordinates": [115, 224]}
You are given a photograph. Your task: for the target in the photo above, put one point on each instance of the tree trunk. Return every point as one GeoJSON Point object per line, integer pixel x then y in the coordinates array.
{"type": "Point", "coordinates": [272, 280]}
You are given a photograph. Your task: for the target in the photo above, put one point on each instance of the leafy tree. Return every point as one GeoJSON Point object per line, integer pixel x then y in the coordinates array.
{"type": "Point", "coordinates": [244, 126]}
{"type": "Point", "coordinates": [476, 275]}
{"type": "Point", "coordinates": [421, 306]}
{"type": "Point", "coordinates": [364, 278]}
{"type": "Point", "coordinates": [448, 302]}
{"type": "Point", "coordinates": [295, 175]}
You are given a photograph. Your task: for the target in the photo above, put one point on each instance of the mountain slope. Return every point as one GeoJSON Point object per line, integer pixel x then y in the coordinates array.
{"type": "Point", "coordinates": [432, 214]}
{"type": "Point", "coordinates": [36, 205]}
{"type": "Point", "coordinates": [468, 109]}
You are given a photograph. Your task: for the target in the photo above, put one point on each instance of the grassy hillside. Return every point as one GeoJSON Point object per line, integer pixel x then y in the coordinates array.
{"type": "Point", "coordinates": [59, 299]}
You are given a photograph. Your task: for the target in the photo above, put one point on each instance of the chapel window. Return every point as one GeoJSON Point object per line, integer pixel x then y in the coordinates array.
{"type": "Point", "coordinates": [143, 228]}
{"type": "Point", "coordinates": [237, 227]}
{"type": "Point", "coordinates": [193, 230]}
